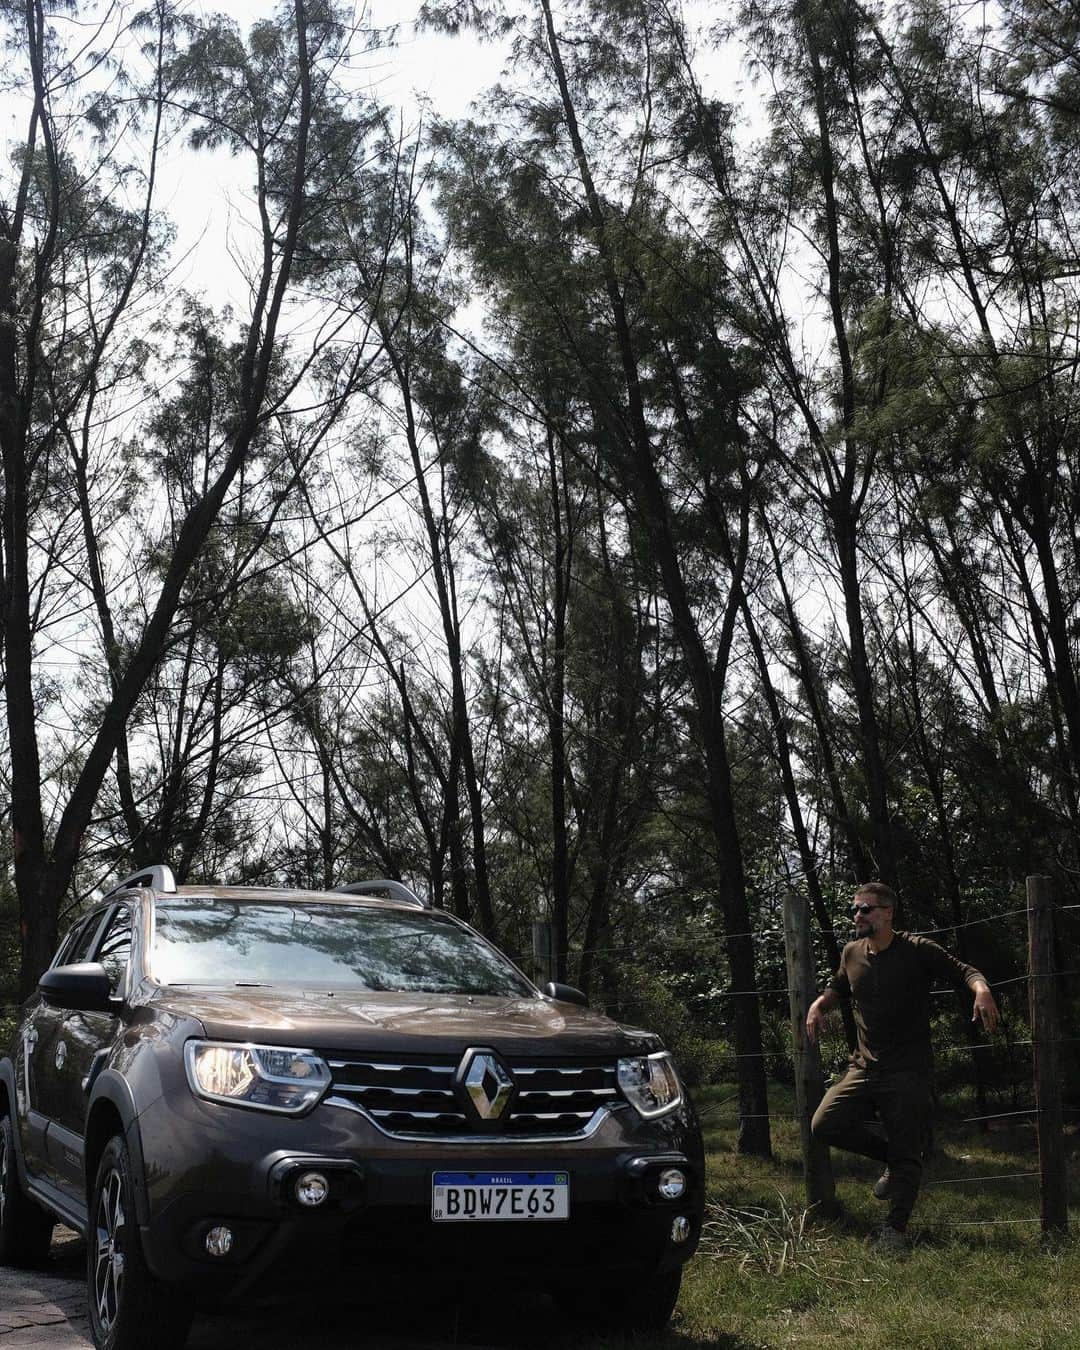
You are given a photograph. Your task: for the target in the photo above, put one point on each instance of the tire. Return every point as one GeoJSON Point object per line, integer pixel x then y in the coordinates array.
{"type": "Point", "coordinates": [25, 1228]}
{"type": "Point", "coordinates": [128, 1308]}
{"type": "Point", "coordinates": [625, 1305]}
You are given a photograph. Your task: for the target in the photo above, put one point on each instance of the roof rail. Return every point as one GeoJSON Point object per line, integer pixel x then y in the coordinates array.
{"type": "Point", "coordinates": [159, 877]}
{"type": "Point", "coordinates": [395, 889]}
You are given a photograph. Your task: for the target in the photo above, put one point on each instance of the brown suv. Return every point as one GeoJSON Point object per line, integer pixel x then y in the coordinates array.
{"type": "Point", "coordinates": [228, 1090]}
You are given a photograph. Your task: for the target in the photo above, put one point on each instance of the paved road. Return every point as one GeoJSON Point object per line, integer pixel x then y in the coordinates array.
{"type": "Point", "coordinates": [47, 1307]}
{"type": "Point", "coordinates": [46, 1310]}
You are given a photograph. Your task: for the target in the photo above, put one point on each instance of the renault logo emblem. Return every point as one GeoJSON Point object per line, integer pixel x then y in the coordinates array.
{"type": "Point", "coordinates": [488, 1085]}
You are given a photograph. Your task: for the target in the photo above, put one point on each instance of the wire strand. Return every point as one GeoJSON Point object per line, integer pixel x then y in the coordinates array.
{"type": "Point", "coordinates": [964, 1181]}
{"type": "Point", "coordinates": [973, 1223]}
{"type": "Point", "coordinates": [720, 938]}
{"type": "Point", "coordinates": [1003, 1115]}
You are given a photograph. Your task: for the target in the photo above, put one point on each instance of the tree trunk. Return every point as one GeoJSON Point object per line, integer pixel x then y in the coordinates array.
{"type": "Point", "coordinates": [860, 863]}
{"type": "Point", "coordinates": [560, 858]}
{"type": "Point", "coordinates": [795, 813]}
{"type": "Point", "coordinates": [654, 516]}
{"type": "Point", "coordinates": [844, 527]}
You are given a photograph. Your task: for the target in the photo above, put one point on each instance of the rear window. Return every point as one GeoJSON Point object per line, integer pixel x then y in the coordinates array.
{"type": "Point", "coordinates": [203, 940]}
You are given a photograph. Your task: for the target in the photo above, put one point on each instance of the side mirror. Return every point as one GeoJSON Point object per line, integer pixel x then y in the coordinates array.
{"type": "Point", "coordinates": [84, 987]}
{"type": "Point", "coordinates": [566, 993]}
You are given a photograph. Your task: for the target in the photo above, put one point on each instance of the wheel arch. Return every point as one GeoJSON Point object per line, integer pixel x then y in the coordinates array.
{"type": "Point", "coordinates": [7, 1086]}
{"type": "Point", "coordinates": [112, 1112]}
{"type": "Point", "coordinates": [9, 1100]}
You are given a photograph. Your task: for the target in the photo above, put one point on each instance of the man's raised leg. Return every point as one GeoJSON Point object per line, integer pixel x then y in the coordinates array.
{"type": "Point", "coordinates": [841, 1119]}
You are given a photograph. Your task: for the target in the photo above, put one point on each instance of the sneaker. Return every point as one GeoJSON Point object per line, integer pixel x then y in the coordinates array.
{"type": "Point", "coordinates": [889, 1241]}
{"type": "Point", "coordinates": [882, 1187]}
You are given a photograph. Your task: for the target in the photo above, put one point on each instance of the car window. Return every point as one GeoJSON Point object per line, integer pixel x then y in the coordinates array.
{"type": "Point", "coordinates": [115, 950]}
{"type": "Point", "coordinates": [202, 940]}
{"type": "Point", "coordinates": [63, 952]}
{"type": "Point", "coordinates": [80, 950]}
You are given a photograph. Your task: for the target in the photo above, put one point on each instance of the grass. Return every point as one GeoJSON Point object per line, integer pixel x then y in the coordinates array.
{"type": "Point", "coordinates": [767, 1277]}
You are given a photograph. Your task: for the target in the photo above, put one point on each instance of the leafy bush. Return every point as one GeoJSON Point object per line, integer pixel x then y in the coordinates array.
{"type": "Point", "coordinates": [646, 999]}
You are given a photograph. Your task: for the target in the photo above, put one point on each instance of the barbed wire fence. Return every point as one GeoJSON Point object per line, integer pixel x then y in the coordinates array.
{"type": "Point", "coordinates": [1042, 980]}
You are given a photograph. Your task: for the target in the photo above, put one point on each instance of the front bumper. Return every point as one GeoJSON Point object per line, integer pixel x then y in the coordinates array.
{"type": "Point", "coordinates": [375, 1228]}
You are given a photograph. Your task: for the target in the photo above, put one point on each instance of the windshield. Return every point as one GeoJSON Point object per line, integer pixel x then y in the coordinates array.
{"type": "Point", "coordinates": [202, 940]}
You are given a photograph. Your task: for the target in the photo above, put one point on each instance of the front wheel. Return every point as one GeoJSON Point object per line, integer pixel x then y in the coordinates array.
{"type": "Point", "coordinates": [623, 1305]}
{"type": "Point", "coordinates": [129, 1309]}
{"type": "Point", "coordinates": [25, 1228]}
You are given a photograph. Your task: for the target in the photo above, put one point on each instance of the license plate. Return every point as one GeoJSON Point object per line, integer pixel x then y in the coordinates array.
{"type": "Point", "coordinates": [458, 1197]}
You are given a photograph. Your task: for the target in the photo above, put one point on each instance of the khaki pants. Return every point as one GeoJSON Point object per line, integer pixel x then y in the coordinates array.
{"type": "Point", "coordinates": [901, 1099]}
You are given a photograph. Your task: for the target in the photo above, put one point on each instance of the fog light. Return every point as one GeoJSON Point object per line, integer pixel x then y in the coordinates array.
{"type": "Point", "coordinates": [219, 1241]}
{"type": "Point", "coordinates": [680, 1228]}
{"type": "Point", "coordinates": [312, 1189]}
{"type": "Point", "coordinates": [672, 1183]}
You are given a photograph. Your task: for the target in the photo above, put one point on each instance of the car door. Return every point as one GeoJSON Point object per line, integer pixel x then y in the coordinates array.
{"type": "Point", "coordinates": [83, 1043]}
{"type": "Point", "coordinates": [36, 1079]}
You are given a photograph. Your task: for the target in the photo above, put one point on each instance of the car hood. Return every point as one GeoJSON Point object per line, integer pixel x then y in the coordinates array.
{"type": "Point", "coordinates": [405, 1023]}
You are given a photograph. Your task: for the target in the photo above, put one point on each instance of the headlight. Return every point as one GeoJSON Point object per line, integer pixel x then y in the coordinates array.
{"type": "Point", "coordinates": [650, 1084]}
{"type": "Point", "coordinates": [265, 1077]}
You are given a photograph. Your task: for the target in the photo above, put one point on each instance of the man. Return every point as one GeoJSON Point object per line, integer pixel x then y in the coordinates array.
{"type": "Point", "coordinates": [888, 976]}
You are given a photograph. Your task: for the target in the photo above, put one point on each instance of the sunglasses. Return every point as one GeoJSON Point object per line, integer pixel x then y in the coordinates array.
{"type": "Point", "coordinates": [865, 909]}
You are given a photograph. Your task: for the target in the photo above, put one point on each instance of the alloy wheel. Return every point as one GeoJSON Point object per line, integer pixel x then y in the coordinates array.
{"type": "Point", "coordinates": [110, 1235]}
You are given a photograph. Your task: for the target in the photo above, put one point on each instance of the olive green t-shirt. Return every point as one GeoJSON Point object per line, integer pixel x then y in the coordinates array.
{"type": "Point", "coordinates": [890, 997]}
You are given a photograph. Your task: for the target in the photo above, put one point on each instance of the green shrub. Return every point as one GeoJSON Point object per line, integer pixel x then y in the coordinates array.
{"type": "Point", "coordinates": [645, 999]}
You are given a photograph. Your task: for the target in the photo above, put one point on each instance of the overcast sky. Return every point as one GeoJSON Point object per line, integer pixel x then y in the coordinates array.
{"type": "Point", "coordinates": [449, 72]}
{"type": "Point", "coordinates": [206, 195]}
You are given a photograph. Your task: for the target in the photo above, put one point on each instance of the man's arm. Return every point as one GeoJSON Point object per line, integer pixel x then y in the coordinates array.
{"type": "Point", "coordinates": [947, 967]}
{"type": "Point", "coordinates": [817, 1012]}
{"type": "Point", "coordinates": [986, 1010]}
{"type": "Point", "coordinates": [836, 991]}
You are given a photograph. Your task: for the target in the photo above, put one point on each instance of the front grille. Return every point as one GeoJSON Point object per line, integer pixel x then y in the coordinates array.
{"type": "Point", "coordinates": [419, 1097]}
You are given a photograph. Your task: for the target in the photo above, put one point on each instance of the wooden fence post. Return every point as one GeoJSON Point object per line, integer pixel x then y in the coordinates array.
{"type": "Point", "coordinates": [809, 1081]}
{"type": "Point", "coordinates": [543, 942]}
{"type": "Point", "coordinates": [1045, 1032]}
